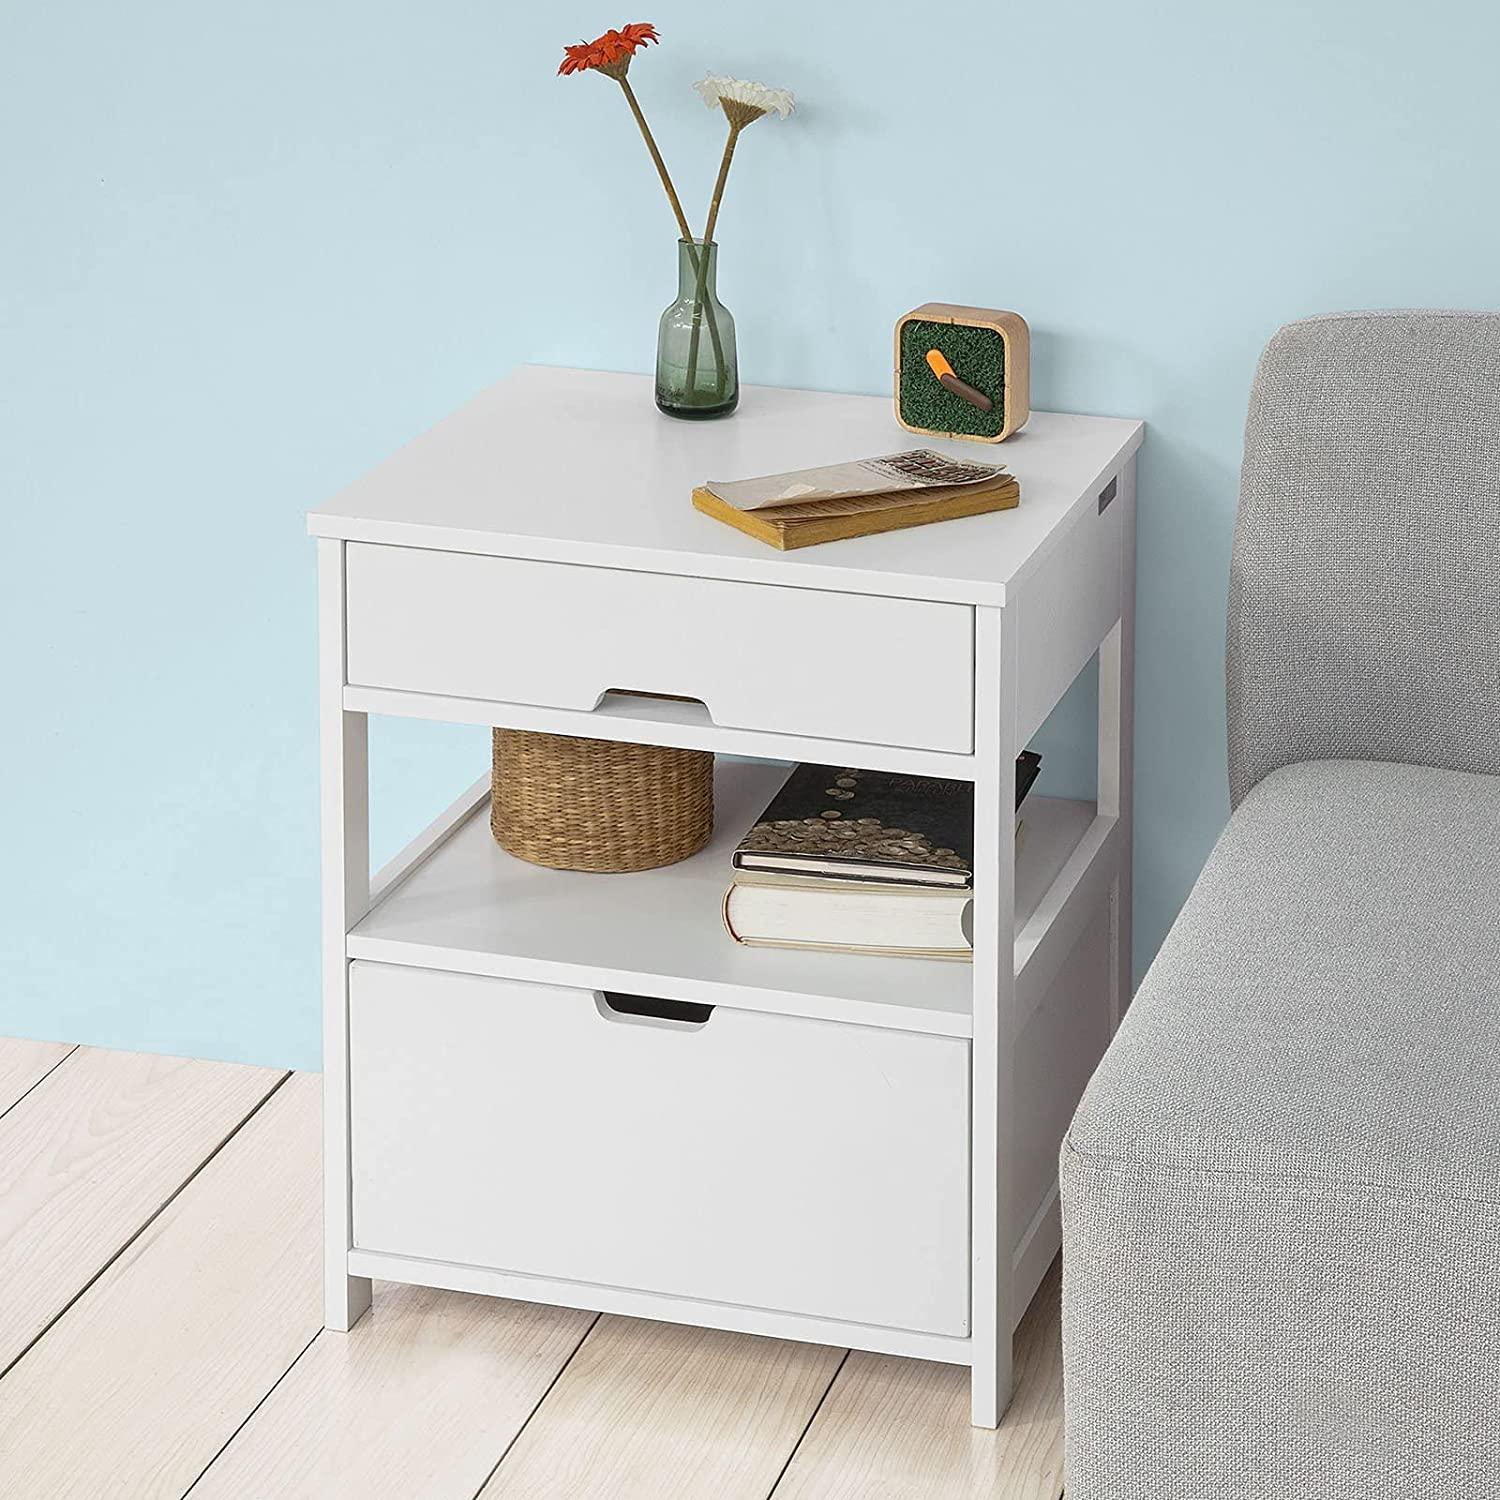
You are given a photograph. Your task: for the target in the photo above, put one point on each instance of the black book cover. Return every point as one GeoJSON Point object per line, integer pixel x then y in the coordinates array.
{"type": "Point", "coordinates": [842, 823]}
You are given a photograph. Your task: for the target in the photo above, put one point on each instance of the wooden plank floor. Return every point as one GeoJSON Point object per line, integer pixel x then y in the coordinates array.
{"type": "Point", "coordinates": [160, 1337]}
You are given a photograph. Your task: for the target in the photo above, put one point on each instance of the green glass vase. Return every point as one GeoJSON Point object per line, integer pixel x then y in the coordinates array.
{"type": "Point", "coordinates": [697, 374]}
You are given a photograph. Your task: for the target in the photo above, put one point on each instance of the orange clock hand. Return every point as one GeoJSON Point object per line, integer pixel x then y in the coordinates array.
{"type": "Point", "coordinates": [937, 362]}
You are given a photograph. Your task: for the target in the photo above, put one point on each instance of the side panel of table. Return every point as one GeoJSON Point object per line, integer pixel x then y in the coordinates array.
{"type": "Point", "coordinates": [1045, 1002]}
{"type": "Point", "coordinates": [345, 775]}
{"type": "Point", "coordinates": [993, 1219]}
{"type": "Point", "coordinates": [1117, 744]}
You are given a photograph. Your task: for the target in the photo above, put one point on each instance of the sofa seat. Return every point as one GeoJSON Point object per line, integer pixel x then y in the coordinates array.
{"type": "Point", "coordinates": [1281, 1192]}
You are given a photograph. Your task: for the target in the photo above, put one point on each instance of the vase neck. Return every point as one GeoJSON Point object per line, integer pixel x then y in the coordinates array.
{"type": "Point", "coordinates": [694, 258]}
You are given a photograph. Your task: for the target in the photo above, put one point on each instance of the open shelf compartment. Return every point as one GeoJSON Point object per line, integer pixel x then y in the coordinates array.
{"type": "Point", "coordinates": [459, 902]}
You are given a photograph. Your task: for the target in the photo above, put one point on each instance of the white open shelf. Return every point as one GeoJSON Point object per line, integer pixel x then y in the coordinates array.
{"type": "Point", "coordinates": [470, 907]}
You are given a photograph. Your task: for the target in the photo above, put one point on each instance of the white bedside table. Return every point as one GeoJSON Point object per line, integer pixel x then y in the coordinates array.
{"type": "Point", "coordinates": [854, 1151]}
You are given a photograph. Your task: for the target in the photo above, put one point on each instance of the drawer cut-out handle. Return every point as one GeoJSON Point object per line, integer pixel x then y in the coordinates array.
{"type": "Point", "coordinates": [695, 709]}
{"type": "Point", "coordinates": [653, 1008]}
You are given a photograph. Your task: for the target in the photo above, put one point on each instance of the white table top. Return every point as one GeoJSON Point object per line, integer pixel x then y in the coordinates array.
{"type": "Point", "coordinates": [579, 466]}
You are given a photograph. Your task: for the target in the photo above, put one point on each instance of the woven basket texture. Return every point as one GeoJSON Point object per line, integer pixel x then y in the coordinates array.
{"type": "Point", "coordinates": [599, 805]}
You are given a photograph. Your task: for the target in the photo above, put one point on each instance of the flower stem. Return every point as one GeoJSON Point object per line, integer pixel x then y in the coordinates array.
{"type": "Point", "coordinates": [713, 207]}
{"type": "Point", "coordinates": [699, 264]}
{"type": "Point", "coordinates": [661, 166]}
{"type": "Point", "coordinates": [708, 239]}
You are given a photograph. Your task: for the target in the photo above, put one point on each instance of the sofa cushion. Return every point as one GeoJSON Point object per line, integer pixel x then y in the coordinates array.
{"type": "Point", "coordinates": [1281, 1192]}
{"type": "Point", "coordinates": [1328, 1002]}
{"type": "Point", "coordinates": [1364, 600]}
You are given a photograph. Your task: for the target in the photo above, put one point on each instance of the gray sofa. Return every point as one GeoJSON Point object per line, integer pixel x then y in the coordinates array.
{"type": "Point", "coordinates": [1281, 1191]}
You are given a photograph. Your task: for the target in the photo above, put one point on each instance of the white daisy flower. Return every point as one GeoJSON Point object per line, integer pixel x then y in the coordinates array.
{"type": "Point", "coordinates": [743, 101]}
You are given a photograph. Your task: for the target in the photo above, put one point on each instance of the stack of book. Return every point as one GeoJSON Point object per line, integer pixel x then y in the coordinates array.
{"type": "Point", "coordinates": [856, 861]}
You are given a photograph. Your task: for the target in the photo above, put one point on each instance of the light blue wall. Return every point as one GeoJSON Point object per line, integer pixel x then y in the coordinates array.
{"type": "Point", "coordinates": [249, 249]}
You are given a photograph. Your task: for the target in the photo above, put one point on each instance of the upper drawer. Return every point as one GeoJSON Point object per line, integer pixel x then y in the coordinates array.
{"type": "Point", "coordinates": [785, 660]}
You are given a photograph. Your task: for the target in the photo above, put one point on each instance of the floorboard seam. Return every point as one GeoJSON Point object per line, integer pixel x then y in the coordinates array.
{"type": "Point", "coordinates": [143, 1226]}
{"type": "Point", "coordinates": [37, 1083]}
{"type": "Point", "coordinates": [250, 1415]}
{"type": "Point", "coordinates": [515, 1437]}
{"type": "Point", "coordinates": [812, 1417]}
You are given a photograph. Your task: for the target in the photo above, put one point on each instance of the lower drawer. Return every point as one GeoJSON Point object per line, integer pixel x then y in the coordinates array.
{"type": "Point", "coordinates": [770, 1161]}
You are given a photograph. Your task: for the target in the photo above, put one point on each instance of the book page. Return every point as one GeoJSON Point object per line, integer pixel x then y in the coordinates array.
{"type": "Point", "coordinates": [791, 512]}
{"type": "Point", "coordinates": [914, 469]}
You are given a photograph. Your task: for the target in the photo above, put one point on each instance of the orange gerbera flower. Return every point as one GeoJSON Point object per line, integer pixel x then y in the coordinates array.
{"type": "Point", "coordinates": [610, 53]}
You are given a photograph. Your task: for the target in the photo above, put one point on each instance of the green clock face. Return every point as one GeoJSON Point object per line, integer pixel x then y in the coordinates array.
{"type": "Point", "coordinates": [978, 358]}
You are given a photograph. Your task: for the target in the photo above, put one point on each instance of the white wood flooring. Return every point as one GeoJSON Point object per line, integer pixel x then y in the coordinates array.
{"type": "Point", "coordinates": [161, 1336]}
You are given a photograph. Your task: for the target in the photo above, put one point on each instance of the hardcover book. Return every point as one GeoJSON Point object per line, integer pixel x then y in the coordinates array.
{"type": "Point", "coordinates": [850, 916]}
{"type": "Point", "coordinates": [842, 823]}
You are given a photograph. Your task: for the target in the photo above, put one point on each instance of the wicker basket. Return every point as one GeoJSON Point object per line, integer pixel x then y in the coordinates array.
{"type": "Point", "coordinates": [599, 805]}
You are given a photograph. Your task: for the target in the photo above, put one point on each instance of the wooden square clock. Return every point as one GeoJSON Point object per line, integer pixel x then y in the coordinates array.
{"type": "Point", "coordinates": [963, 372]}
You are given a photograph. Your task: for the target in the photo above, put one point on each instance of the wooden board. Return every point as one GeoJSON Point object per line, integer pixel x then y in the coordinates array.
{"type": "Point", "coordinates": [650, 1411]}
{"type": "Point", "coordinates": [421, 1398]}
{"type": "Point", "coordinates": [23, 1065]}
{"type": "Point", "coordinates": [89, 1155]}
{"type": "Point", "coordinates": [140, 1384]}
{"type": "Point", "coordinates": [899, 1429]}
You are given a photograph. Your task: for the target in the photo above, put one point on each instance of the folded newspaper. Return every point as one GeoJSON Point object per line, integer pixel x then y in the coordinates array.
{"type": "Point", "coordinates": [894, 474]}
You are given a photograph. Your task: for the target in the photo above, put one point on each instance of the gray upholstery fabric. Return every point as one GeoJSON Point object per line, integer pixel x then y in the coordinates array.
{"type": "Point", "coordinates": [1364, 617]}
{"type": "Point", "coordinates": [1281, 1192]}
